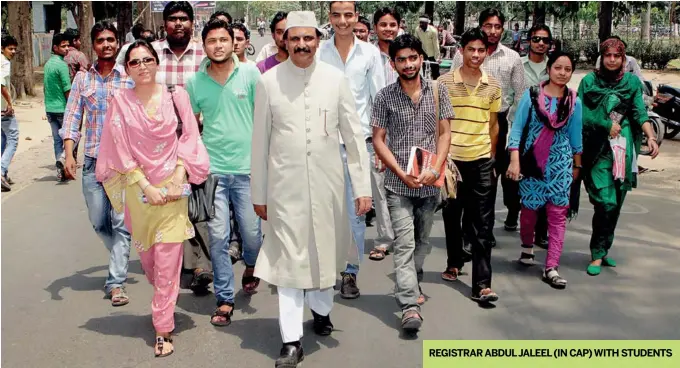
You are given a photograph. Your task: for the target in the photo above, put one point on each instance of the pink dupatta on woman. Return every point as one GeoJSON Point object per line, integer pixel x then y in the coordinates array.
{"type": "Point", "coordinates": [134, 145]}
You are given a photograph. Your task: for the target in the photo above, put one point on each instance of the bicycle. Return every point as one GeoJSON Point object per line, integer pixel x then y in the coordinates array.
{"type": "Point", "coordinates": [250, 50]}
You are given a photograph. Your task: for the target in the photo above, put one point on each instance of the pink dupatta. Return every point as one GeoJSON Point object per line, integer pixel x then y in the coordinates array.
{"type": "Point", "coordinates": [134, 145]}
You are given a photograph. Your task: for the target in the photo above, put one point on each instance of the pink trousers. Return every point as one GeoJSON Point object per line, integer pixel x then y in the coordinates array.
{"type": "Point", "coordinates": [557, 225]}
{"type": "Point", "coordinates": [162, 265]}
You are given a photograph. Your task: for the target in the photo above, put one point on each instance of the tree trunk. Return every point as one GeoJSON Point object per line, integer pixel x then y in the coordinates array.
{"type": "Point", "coordinates": [83, 16]}
{"type": "Point", "coordinates": [646, 20]}
{"type": "Point", "coordinates": [605, 16]}
{"type": "Point", "coordinates": [460, 17]}
{"type": "Point", "coordinates": [539, 13]}
{"type": "Point", "coordinates": [124, 19]}
{"type": "Point", "coordinates": [429, 10]}
{"type": "Point", "coordinates": [526, 19]}
{"type": "Point", "coordinates": [144, 14]}
{"type": "Point", "coordinates": [21, 27]}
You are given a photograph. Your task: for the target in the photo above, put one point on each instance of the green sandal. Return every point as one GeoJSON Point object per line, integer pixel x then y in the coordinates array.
{"type": "Point", "coordinates": [608, 262]}
{"type": "Point", "coordinates": [593, 270]}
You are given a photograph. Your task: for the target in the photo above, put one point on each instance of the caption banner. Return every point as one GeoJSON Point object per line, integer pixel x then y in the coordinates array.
{"type": "Point", "coordinates": [557, 353]}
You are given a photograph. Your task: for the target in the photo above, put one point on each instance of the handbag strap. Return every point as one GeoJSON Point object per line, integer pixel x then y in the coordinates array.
{"type": "Point", "coordinates": [171, 90]}
{"type": "Point", "coordinates": [435, 91]}
{"type": "Point", "coordinates": [525, 131]}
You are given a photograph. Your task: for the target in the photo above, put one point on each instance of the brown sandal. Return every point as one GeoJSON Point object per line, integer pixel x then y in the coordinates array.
{"type": "Point", "coordinates": [220, 313]}
{"type": "Point", "coordinates": [378, 254]}
{"type": "Point", "coordinates": [250, 282]}
{"type": "Point", "coordinates": [119, 298]}
{"type": "Point", "coordinates": [411, 320]}
{"type": "Point", "coordinates": [451, 274]}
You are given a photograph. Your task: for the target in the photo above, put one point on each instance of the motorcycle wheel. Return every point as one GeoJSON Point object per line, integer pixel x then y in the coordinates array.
{"type": "Point", "coordinates": [671, 132]}
{"type": "Point", "coordinates": [659, 129]}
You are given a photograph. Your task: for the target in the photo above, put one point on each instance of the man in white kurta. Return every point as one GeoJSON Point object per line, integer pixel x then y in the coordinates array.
{"type": "Point", "coordinates": [302, 108]}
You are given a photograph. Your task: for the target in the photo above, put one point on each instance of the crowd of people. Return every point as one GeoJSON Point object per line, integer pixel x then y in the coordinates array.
{"type": "Point", "coordinates": [298, 165]}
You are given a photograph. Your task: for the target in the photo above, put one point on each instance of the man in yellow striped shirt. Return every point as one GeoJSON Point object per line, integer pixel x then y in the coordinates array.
{"type": "Point", "coordinates": [476, 100]}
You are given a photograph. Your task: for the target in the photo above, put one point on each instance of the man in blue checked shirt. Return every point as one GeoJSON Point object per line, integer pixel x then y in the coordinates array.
{"type": "Point", "coordinates": [90, 94]}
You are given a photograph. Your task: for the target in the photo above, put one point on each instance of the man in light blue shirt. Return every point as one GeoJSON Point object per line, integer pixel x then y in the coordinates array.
{"type": "Point", "coordinates": [361, 63]}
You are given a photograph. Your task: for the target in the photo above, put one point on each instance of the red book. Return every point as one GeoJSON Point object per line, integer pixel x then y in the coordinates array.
{"type": "Point", "coordinates": [420, 159]}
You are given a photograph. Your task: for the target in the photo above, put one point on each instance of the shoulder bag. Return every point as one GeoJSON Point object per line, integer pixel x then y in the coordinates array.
{"type": "Point", "coordinates": [202, 198]}
{"type": "Point", "coordinates": [449, 189]}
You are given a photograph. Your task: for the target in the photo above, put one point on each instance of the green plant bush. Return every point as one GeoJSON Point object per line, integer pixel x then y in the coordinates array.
{"type": "Point", "coordinates": [650, 55]}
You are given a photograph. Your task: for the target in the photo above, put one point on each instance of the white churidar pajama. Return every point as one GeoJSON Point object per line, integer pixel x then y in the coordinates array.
{"type": "Point", "coordinates": [291, 309]}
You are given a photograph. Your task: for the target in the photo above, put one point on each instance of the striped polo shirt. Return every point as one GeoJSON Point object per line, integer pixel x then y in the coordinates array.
{"type": "Point", "coordinates": [470, 139]}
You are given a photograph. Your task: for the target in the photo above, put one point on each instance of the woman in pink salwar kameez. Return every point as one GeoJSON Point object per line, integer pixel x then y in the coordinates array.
{"type": "Point", "coordinates": [144, 167]}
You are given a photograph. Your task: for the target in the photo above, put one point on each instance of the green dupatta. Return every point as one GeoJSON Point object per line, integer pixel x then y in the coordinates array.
{"type": "Point", "coordinates": [599, 99]}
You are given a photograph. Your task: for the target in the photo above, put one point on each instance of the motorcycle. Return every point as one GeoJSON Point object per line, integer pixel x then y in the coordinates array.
{"type": "Point", "coordinates": [666, 104]}
{"type": "Point", "coordinates": [658, 121]}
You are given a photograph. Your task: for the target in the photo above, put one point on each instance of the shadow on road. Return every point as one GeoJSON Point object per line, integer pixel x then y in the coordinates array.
{"type": "Point", "coordinates": [141, 327]}
{"type": "Point", "coordinates": [80, 281]}
{"type": "Point", "coordinates": [262, 335]}
{"type": "Point", "coordinates": [382, 307]}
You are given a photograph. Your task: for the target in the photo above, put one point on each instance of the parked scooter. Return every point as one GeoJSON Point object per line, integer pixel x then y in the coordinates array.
{"type": "Point", "coordinates": [666, 104]}
{"type": "Point", "coordinates": [658, 122]}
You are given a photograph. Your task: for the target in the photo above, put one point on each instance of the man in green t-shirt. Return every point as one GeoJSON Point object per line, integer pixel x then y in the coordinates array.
{"type": "Point", "coordinates": [223, 91]}
{"type": "Point", "coordinates": [57, 84]}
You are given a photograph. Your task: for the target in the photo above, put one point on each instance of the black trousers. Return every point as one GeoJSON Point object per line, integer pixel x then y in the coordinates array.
{"type": "Point", "coordinates": [511, 198]}
{"type": "Point", "coordinates": [475, 199]}
{"type": "Point", "coordinates": [434, 68]}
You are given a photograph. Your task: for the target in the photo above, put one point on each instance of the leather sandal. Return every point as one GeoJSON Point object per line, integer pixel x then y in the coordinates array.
{"type": "Point", "coordinates": [119, 298]}
{"type": "Point", "coordinates": [220, 313]}
{"type": "Point", "coordinates": [250, 282]}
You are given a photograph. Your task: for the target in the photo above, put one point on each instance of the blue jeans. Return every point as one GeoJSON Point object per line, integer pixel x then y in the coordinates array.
{"type": "Point", "coordinates": [233, 189]}
{"type": "Point", "coordinates": [10, 141]}
{"type": "Point", "coordinates": [56, 120]}
{"type": "Point", "coordinates": [412, 220]}
{"type": "Point", "coordinates": [109, 225]}
{"type": "Point", "coordinates": [357, 223]}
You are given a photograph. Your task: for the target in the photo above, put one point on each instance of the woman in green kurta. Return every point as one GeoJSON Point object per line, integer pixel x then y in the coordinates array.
{"type": "Point", "coordinates": [605, 92]}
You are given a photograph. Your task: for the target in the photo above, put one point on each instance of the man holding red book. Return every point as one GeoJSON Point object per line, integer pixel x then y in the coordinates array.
{"type": "Point", "coordinates": [414, 113]}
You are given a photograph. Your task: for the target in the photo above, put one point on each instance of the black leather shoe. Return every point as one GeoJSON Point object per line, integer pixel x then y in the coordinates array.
{"type": "Point", "coordinates": [291, 355]}
{"type": "Point", "coordinates": [322, 324]}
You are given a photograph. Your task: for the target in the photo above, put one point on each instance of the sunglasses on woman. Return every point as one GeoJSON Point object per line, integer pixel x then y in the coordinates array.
{"type": "Point", "coordinates": [537, 39]}
{"type": "Point", "coordinates": [135, 63]}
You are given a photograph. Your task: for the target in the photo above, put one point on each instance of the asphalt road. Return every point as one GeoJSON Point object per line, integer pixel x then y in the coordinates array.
{"type": "Point", "coordinates": [54, 313]}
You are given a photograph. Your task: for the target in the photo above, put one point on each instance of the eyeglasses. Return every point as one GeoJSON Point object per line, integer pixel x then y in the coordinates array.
{"type": "Point", "coordinates": [537, 39]}
{"type": "Point", "coordinates": [135, 63]}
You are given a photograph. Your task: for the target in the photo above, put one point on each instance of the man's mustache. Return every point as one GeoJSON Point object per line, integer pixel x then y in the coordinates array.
{"type": "Point", "coordinates": [301, 49]}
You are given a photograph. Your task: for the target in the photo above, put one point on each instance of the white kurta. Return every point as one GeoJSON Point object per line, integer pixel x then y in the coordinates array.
{"type": "Point", "coordinates": [297, 171]}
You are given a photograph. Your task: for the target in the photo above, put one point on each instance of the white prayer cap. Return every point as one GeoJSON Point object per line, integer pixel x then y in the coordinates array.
{"type": "Point", "coordinates": [302, 19]}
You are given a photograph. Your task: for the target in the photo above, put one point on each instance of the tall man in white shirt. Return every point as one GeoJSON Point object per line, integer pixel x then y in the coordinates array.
{"type": "Point", "coordinates": [506, 66]}
{"type": "Point", "coordinates": [386, 23]}
{"type": "Point", "coordinates": [362, 66]}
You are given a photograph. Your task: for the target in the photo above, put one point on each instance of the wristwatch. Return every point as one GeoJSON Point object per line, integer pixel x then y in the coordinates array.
{"type": "Point", "coordinates": [434, 172]}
